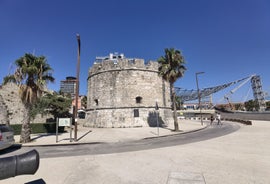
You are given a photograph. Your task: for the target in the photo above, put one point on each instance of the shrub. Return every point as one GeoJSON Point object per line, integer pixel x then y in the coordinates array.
{"type": "Point", "coordinates": [38, 128]}
{"type": "Point", "coordinates": [245, 122]}
{"type": "Point", "coordinates": [17, 129]}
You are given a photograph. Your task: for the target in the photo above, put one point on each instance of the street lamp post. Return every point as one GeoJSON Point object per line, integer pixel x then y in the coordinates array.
{"type": "Point", "coordinates": [199, 95]}
{"type": "Point", "coordinates": [77, 87]}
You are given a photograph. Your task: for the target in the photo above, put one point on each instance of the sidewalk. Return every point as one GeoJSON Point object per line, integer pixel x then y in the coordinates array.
{"type": "Point", "coordinates": [90, 135]}
{"type": "Point", "coordinates": [240, 157]}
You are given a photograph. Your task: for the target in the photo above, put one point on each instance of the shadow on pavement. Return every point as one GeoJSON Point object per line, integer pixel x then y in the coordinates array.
{"type": "Point", "coordinates": [39, 181]}
{"type": "Point", "coordinates": [11, 149]}
{"type": "Point", "coordinates": [84, 135]}
{"type": "Point", "coordinates": [43, 135]}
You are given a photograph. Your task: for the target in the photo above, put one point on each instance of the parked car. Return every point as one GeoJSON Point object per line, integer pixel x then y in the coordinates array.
{"type": "Point", "coordinates": [6, 136]}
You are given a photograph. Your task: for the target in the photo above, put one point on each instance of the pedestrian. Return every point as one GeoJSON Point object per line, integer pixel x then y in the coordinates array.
{"type": "Point", "coordinates": [218, 118]}
{"type": "Point", "coordinates": [211, 119]}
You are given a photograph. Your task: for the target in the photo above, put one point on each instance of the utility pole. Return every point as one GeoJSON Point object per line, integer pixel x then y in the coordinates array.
{"type": "Point", "coordinates": [77, 88]}
{"type": "Point", "coordinates": [199, 94]}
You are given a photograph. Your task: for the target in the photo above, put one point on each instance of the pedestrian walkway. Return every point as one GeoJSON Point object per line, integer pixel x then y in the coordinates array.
{"type": "Point", "coordinates": [91, 135]}
{"type": "Point", "coordinates": [240, 157]}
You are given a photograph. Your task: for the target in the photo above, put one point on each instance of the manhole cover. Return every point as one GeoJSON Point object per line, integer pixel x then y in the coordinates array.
{"type": "Point", "coordinates": [185, 178]}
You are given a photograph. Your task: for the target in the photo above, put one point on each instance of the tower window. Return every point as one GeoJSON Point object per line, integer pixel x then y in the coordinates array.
{"type": "Point", "coordinates": [136, 113]}
{"type": "Point", "coordinates": [96, 101]}
{"type": "Point", "coordinates": [138, 99]}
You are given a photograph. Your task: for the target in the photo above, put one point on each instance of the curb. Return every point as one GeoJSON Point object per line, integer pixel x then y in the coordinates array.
{"type": "Point", "coordinates": [82, 143]}
{"type": "Point", "coordinates": [190, 131]}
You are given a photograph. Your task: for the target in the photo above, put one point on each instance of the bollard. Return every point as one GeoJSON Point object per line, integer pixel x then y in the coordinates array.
{"type": "Point", "coordinates": [26, 163]}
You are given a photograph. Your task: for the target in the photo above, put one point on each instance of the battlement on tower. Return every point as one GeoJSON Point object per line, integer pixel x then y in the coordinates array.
{"type": "Point", "coordinates": [120, 62]}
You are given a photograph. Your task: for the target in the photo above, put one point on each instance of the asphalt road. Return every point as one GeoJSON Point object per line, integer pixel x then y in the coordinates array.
{"type": "Point", "coordinates": [145, 144]}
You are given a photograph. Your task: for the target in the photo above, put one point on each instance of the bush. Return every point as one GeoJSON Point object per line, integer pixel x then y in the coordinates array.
{"type": "Point", "coordinates": [38, 128]}
{"type": "Point", "coordinates": [17, 129]}
{"type": "Point", "coordinates": [245, 122]}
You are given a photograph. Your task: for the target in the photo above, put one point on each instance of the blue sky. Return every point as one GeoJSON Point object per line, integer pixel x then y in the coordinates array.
{"type": "Point", "coordinates": [226, 39]}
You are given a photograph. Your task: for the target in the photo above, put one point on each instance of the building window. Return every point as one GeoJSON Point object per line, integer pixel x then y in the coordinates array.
{"type": "Point", "coordinates": [138, 99]}
{"type": "Point", "coordinates": [96, 101]}
{"type": "Point", "coordinates": [136, 113]}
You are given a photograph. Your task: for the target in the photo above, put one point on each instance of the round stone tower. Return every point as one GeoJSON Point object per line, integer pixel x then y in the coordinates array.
{"type": "Point", "coordinates": [125, 92]}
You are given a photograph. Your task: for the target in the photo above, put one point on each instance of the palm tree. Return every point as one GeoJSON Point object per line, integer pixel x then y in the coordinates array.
{"type": "Point", "coordinates": [31, 75]}
{"type": "Point", "coordinates": [9, 78]}
{"type": "Point", "coordinates": [178, 102]}
{"type": "Point", "coordinates": [172, 68]}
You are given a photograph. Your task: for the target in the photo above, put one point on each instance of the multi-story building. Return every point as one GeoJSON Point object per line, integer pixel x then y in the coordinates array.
{"type": "Point", "coordinates": [68, 86]}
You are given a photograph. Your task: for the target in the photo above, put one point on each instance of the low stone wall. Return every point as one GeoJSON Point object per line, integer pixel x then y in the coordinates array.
{"type": "Point", "coordinates": [262, 116]}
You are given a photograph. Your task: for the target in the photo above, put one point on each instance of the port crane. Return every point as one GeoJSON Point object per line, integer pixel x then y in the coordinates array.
{"type": "Point", "coordinates": [258, 94]}
{"type": "Point", "coordinates": [228, 95]}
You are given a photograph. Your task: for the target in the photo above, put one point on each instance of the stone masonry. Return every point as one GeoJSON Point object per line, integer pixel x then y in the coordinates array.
{"type": "Point", "coordinates": [123, 92]}
{"type": "Point", "coordinates": [12, 108]}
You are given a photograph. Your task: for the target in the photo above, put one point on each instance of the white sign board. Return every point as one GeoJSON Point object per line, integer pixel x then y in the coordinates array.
{"type": "Point", "coordinates": [64, 122]}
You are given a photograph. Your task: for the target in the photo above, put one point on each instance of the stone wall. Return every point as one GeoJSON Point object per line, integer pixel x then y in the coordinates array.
{"type": "Point", "coordinates": [11, 104]}
{"type": "Point", "coordinates": [12, 108]}
{"type": "Point", "coordinates": [3, 112]}
{"type": "Point", "coordinates": [123, 93]}
{"type": "Point", "coordinates": [124, 118]}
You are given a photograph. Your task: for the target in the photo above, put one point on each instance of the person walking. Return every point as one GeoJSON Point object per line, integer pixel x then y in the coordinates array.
{"type": "Point", "coordinates": [218, 118]}
{"type": "Point", "coordinates": [211, 119]}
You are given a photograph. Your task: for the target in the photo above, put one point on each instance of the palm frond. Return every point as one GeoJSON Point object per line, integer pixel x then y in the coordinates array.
{"type": "Point", "coordinates": [171, 65]}
{"type": "Point", "coordinates": [33, 73]}
{"type": "Point", "coordinates": [9, 78]}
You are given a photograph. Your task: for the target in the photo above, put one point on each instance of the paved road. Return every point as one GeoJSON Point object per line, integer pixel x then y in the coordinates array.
{"type": "Point", "coordinates": [240, 157]}
{"type": "Point", "coordinates": [145, 144]}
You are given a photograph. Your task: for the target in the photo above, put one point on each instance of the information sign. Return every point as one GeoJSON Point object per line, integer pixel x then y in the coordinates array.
{"type": "Point", "coordinates": [64, 122]}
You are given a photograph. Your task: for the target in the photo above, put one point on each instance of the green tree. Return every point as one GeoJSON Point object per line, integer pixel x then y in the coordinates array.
{"type": "Point", "coordinates": [238, 106]}
{"type": "Point", "coordinates": [172, 68]}
{"type": "Point", "coordinates": [251, 105]}
{"type": "Point", "coordinates": [179, 103]}
{"type": "Point", "coordinates": [31, 75]}
{"type": "Point", "coordinates": [53, 103]}
{"type": "Point", "coordinates": [84, 102]}
{"type": "Point", "coordinates": [59, 105]}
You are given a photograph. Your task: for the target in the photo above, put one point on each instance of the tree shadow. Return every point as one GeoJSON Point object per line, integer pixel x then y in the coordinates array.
{"type": "Point", "coordinates": [154, 120]}
{"type": "Point", "coordinates": [38, 136]}
{"type": "Point", "coordinates": [171, 129]}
